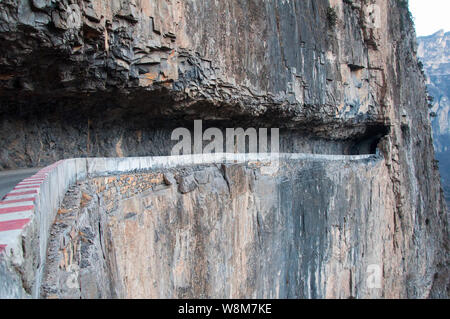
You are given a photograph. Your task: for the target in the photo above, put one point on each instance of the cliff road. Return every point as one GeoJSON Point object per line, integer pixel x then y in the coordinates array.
{"type": "Point", "coordinates": [332, 191]}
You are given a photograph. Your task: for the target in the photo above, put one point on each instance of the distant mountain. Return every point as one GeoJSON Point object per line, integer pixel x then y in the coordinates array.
{"type": "Point", "coordinates": [434, 52]}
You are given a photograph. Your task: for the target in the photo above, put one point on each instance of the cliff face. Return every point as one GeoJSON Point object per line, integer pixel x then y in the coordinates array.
{"type": "Point", "coordinates": [228, 231]}
{"type": "Point", "coordinates": [112, 78]}
{"type": "Point", "coordinates": [434, 52]}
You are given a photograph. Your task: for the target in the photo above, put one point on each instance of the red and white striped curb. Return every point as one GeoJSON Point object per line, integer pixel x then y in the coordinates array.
{"type": "Point", "coordinates": [18, 206]}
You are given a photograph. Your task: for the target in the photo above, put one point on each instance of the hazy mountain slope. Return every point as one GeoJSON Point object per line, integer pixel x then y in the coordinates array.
{"type": "Point", "coordinates": [434, 52]}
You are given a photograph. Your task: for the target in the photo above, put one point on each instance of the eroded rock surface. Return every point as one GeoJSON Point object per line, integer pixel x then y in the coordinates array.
{"type": "Point", "coordinates": [230, 231]}
{"type": "Point", "coordinates": [238, 233]}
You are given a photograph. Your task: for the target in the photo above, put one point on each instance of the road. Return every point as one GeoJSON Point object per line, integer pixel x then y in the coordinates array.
{"type": "Point", "coordinates": [9, 179]}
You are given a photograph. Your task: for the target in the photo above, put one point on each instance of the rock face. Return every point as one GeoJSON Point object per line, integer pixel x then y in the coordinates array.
{"type": "Point", "coordinates": [112, 78]}
{"type": "Point", "coordinates": [238, 233]}
{"type": "Point", "coordinates": [434, 52]}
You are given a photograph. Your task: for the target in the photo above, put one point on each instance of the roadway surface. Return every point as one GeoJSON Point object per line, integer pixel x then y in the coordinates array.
{"type": "Point", "coordinates": [10, 178]}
